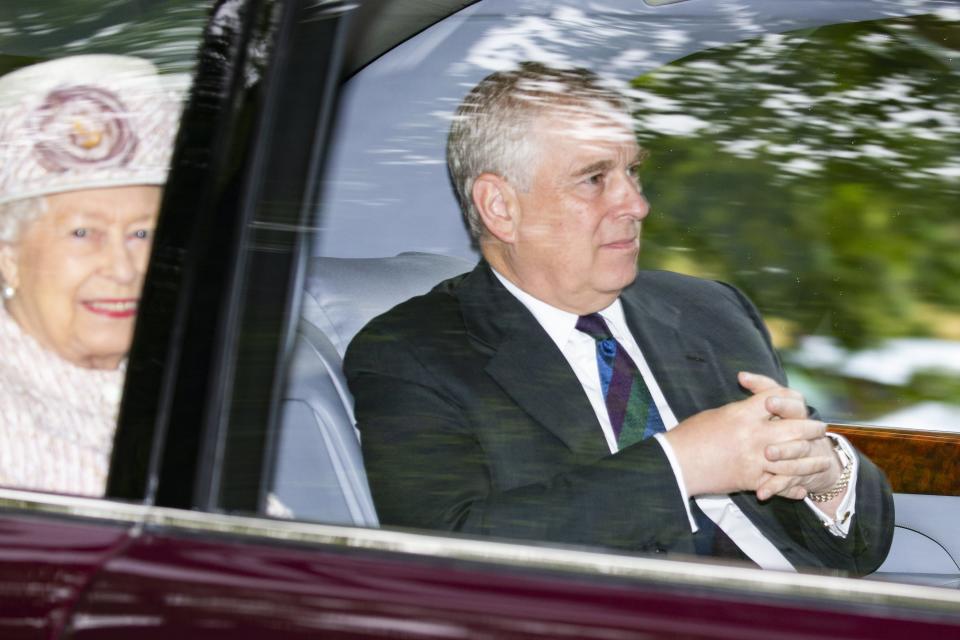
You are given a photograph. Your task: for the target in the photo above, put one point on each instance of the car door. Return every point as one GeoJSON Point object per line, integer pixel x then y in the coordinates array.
{"type": "Point", "coordinates": [822, 158]}
{"type": "Point", "coordinates": [203, 544]}
{"type": "Point", "coordinates": [806, 155]}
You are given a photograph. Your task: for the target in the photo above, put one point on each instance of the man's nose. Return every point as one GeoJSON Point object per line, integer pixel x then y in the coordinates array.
{"type": "Point", "coordinates": [630, 199]}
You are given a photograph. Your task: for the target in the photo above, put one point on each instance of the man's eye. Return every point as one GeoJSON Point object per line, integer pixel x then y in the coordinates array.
{"type": "Point", "coordinates": [595, 179]}
{"type": "Point", "coordinates": [79, 233]}
{"type": "Point", "coordinates": [142, 234]}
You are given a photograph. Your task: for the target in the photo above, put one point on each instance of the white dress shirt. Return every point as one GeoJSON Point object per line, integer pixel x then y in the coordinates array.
{"type": "Point", "coordinates": [580, 351]}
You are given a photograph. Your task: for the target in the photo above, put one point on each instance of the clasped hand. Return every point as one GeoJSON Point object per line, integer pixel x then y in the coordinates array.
{"type": "Point", "coordinates": [765, 443]}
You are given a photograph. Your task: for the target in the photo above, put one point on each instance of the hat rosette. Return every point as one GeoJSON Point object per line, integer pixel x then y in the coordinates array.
{"type": "Point", "coordinates": [83, 125]}
{"type": "Point", "coordinates": [84, 122]}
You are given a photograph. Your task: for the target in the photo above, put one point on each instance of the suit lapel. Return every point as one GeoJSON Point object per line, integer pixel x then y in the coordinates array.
{"type": "Point", "coordinates": [681, 363]}
{"type": "Point", "coordinates": [527, 364]}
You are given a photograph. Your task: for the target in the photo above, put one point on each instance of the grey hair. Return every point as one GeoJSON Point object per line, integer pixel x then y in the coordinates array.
{"type": "Point", "coordinates": [17, 214]}
{"type": "Point", "coordinates": [491, 130]}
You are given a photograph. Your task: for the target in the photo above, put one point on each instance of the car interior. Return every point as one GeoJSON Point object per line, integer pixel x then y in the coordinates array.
{"type": "Point", "coordinates": [318, 470]}
{"type": "Point", "coordinates": [319, 473]}
{"type": "Point", "coordinates": [317, 429]}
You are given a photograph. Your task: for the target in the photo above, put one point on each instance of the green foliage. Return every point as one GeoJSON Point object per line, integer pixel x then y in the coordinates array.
{"type": "Point", "coordinates": [167, 33]}
{"type": "Point", "coordinates": [819, 171]}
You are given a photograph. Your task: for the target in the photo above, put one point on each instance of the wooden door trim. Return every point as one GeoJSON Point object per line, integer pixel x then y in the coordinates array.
{"type": "Point", "coordinates": [926, 462]}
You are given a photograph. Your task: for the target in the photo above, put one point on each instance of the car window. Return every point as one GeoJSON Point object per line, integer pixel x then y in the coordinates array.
{"type": "Point", "coordinates": [816, 169]}
{"type": "Point", "coordinates": [805, 157]}
{"type": "Point", "coordinates": [165, 33]}
{"type": "Point", "coordinates": [841, 141]}
{"type": "Point", "coordinates": [57, 401]}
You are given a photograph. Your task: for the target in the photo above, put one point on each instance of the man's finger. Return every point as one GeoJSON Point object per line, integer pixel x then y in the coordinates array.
{"type": "Point", "coordinates": [759, 384]}
{"type": "Point", "coordinates": [786, 407]}
{"type": "Point", "coordinates": [756, 383]}
{"type": "Point", "coordinates": [800, 467]}
{"type": "Point", "coordinates": [777, 485]}
{"type": "Point", "coordinates": [788, 450]}
{"type": "Point", "coordinates": [798, 492]}
{"type": "Point", "coordinates": [795, 492]}
{"type": "Point", "coordinates": [788, 430]}
{"type": "Point", "coordinates": [792, 393]}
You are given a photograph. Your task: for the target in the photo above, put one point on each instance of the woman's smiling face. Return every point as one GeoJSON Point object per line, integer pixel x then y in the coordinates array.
{"type": "Point", "coordinates": [78, 270]}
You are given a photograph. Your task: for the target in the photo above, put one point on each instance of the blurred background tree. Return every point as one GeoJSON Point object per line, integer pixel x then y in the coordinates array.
{"type": "Point", "coordinates": [817, 170]}
{"type": "Point", "coordinates": [166, 33]}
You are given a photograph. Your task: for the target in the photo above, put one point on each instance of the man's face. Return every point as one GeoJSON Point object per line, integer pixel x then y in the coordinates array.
{"type": "Point", "coordinates": [578, 234]}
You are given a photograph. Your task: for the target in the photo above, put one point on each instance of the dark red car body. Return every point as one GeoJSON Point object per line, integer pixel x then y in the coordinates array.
{"type": "Point", "coordinates": [178, 575]}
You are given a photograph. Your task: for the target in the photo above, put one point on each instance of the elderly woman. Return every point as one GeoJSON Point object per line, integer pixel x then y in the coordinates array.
{"type": "Point", "coordinates": [84, 146]}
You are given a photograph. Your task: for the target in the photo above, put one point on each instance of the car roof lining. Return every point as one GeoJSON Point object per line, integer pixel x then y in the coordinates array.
{"type": "Point", "coordinates": [377, 26]}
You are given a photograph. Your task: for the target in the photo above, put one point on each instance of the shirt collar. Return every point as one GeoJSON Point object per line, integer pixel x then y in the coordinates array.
{"type": "Point", "coordinates": [560, 324]}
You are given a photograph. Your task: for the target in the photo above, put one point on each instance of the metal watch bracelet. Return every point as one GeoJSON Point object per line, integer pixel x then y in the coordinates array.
{"type": "Point", "coordinates": [842, 482]}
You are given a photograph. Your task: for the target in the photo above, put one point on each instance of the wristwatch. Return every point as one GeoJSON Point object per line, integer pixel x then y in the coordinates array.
{"type": "Point", "coordinates": [847, 463]}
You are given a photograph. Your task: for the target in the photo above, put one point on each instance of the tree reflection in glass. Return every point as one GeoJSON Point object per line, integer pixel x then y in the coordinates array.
{"type": "Point", "coordinates": [819, 170]}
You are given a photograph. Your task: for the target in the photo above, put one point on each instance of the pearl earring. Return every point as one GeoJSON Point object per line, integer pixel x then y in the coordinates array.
{"type": "Point", "coordinates": [8, 292]}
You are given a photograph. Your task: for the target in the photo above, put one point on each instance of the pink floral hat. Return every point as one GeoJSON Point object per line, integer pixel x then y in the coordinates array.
{"type": "Point", "coordinates": [84, 122]}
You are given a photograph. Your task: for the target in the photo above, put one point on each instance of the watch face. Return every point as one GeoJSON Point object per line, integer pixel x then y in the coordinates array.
{"type": "Point", "coordinates": [845, 460]}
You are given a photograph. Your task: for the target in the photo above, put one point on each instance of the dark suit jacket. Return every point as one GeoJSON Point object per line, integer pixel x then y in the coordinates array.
{"type": "Point", "coordinates": [471, 420]}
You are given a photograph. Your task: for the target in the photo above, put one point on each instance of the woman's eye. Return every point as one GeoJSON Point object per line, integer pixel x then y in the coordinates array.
{"type": "Point", "coordinates": [79, 233]}
{"type": "Point", "coordinates": [142, 234]}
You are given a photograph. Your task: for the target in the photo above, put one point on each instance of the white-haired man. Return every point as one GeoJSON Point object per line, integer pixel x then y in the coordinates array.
{"type": "Point", "coordinates": [556, 393]}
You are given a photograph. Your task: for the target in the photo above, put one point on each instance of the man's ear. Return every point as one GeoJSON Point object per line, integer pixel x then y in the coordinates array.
{"type": "Point", "coordinates": [9, 265]}
{"type": "Point", "coordinates": [497, 205]}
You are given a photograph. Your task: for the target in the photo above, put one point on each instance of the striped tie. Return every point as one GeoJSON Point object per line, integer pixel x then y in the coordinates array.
{"type": "Point", "coordinates": [633, 414]}
{"type": "Point", "coordinates": [634, 417]}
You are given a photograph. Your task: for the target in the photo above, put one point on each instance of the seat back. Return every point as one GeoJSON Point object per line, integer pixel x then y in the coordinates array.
{"type": "Point", "coordinates": [344, 294]}
{"type": "Point", "coordinates": [318, 470]}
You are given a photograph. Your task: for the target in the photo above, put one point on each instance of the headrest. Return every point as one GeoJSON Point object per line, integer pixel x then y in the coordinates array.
{"type": "Point", "coordinates": [344, 294]}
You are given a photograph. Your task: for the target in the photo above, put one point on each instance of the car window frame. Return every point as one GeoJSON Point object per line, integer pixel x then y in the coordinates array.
{"type": "Point", "coordinates": [179, 479]}
{"type": "Point", "coordinates": [180, 491]}
{"type": "Point", "coordinates": [182, 362]}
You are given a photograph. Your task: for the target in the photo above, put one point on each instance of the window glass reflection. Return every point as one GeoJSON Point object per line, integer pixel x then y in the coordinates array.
{"type": "Point", "coordinates": [90, 97]}
{"type": "Point", "coordinates": [819, 170]}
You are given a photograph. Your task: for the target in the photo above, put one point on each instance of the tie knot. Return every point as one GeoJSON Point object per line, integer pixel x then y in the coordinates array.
{"type": "Point", "coordinates": [594, 326]}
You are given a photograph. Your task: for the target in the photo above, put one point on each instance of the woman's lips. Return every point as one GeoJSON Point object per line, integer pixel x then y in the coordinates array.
{"type": "Point", "coordinates": [123, 308]}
